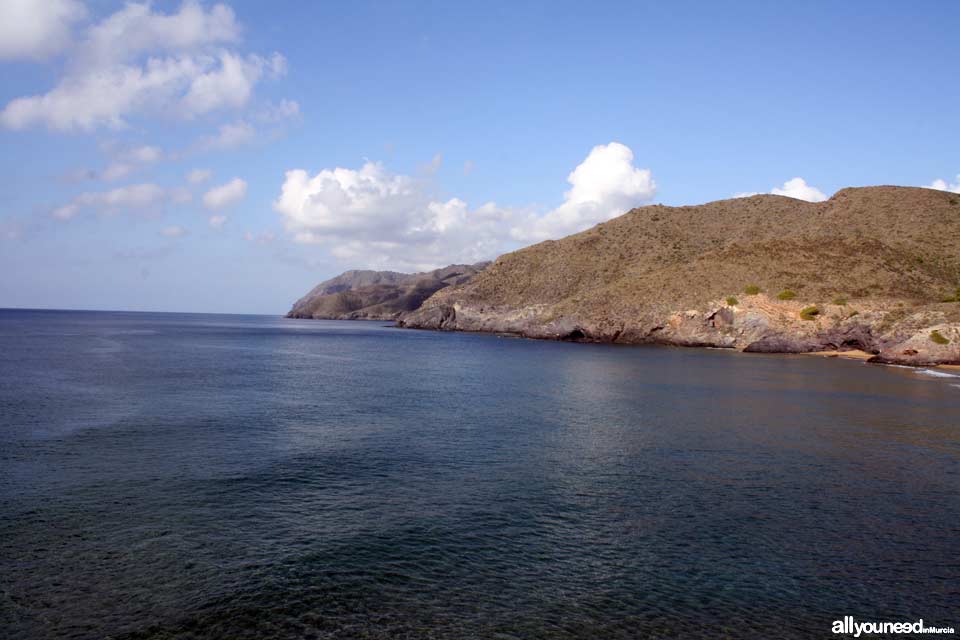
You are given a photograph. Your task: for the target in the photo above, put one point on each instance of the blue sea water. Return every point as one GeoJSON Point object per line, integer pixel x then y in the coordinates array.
{"type": "Point", "coordinates": [216, 476]}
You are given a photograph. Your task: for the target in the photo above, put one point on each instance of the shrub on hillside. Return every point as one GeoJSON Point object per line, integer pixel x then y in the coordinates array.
{"type": "Point", "coordinates": [840, 300]}
{"type": "Point", "coordinates": [938, 337]}
{"type": "Point", "coordinates": [732, 301]}
{"type": "Point", "coordinates": [787, 294]}
{"type": "Point", "coordinates": [810, 313]}
{"type": "Point", "coordinates": [752, 290]}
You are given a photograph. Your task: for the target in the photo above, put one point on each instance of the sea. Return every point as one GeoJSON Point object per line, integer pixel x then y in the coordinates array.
{"type": "Point", "coordinates": [191, 476]}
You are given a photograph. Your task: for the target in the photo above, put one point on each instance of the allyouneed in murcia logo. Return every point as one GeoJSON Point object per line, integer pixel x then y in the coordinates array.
{"type": "Point", "coordinates": [850, 626]}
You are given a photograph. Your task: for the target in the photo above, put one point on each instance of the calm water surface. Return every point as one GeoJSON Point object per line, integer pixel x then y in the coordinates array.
{"type": "Point", "coordinates": [212, 476]}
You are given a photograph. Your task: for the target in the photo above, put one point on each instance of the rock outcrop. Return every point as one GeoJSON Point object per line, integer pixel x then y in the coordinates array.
{"type": "Point", "coordinates": [874, 268]}
{"type": "Point", "coordinates": [378, 295]}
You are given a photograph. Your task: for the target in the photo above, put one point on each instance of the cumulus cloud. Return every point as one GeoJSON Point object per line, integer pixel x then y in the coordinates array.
{"type": "Point", "coordinates": [225, 195]}
{"type": "Point", "coordinates": [942, 185]}
{"type": "Point", "coordinates": [217, 222]}
{"type": "Point", "coordinates": [799, 189]}
{"type": "Point", "coordinates": [145, 197]}
{"type": "Point", "coordinates": [603, 186]}
{"type": "Point", "coordinates": [372, 217]}
{"type": "Point", "coordinates": [793, 188]}
{"type": "Point", "coordinates": [35, 29]}
{"type": "Point", "coordinates": [137, 62]}
{"type": "Point", "coordinates": [173, 231]}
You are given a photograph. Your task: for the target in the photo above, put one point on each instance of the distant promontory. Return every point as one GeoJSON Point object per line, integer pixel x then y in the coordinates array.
{"type": "Point", "coordinates": [378, 295]}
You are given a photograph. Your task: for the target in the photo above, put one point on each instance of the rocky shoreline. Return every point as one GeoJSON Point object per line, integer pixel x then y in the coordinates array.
{"type": "Point", "coordinates": [755, 324]}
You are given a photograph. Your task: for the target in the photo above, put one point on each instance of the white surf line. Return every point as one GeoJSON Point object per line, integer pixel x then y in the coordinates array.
{"type": "Point", "coordinates": [937, 374]}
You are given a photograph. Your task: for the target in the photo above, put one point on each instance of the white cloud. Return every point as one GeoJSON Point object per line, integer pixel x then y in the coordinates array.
{"type": "Point", "coordinates": [373, 218]}
{"type": "Point", "coordinates": [230, 136]}
{"type": "Point", "coordinates": [284, 110]}
{"type": "Point", "coordinates": [66, 212]}
{"type": "Point", "coordinates": [603, 186]}
{"type": "Point", "coordinates": [228, 84]}
{"type": "Point", "coordinates": [173, 231]}
{"type": "Point", "coordinates": [225, 195]}
{"type": "Point", "coordinates": [217, 221]}
{"type": "Point", "coordinates": [37, 29]}
{"type": "Point", "coordinates": [137, 62]}
{"type": "Point", "coordinates": [144, 197]}
{"type": "Point", "coordinates": [799, 189]}
{"type": "Point", "coordinates": [128, 161]}
{"type": "Point", "coordinates": [942, 185]}
{"type": "Point", "coordinates": [136, 29]}
{"type": "Point", "coordinates": [199, 176]}
{"type": "Point", "coordinates": [793, 188]}
{"type": "Point", "coordinates": [137, 196]}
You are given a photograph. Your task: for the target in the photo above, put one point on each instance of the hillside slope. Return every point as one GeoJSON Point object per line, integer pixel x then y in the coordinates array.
{"type": "Point", "coordinates": [870, 267]}
{"type": "Point", "coordinates": [377, 295]}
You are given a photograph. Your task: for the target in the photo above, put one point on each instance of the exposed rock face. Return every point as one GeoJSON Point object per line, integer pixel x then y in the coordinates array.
{"type": "Point", "coordinates": [869, 270]}
{"type": "Point", "coordinates": [377, 295]}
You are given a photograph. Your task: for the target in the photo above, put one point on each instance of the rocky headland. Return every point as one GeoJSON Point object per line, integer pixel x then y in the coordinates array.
{"type": "Point", "coordinates": [875, 269]}
{"type": "Point", "coordinates": [378, 295]}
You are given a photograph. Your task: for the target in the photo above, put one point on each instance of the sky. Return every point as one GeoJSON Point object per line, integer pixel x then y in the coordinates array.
{"type": "Point", "coordinates": [226, 157]}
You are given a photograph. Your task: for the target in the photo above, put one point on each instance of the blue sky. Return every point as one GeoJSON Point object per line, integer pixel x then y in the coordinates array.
{"type": "Point", "coordinates": [228, 156]}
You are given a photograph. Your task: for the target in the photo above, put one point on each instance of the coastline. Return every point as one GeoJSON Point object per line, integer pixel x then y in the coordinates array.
{"type": "Point", "coordinates": [853, 354]}
{"type": "Point", "coordinates": [850, 354]}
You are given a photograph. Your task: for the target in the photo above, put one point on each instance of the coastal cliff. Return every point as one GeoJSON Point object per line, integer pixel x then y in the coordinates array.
{"type": "Point", "coordinates": [873, 268]}
{"type": "Point", "coordinates": [377, 295]}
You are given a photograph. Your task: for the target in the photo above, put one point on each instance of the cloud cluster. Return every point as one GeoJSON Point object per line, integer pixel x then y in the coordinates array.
{"type": "Point", "coordinates": [942, 185]}
{"type": "Point", "coordinates": [139, 198]}
{"type": "Point", "coordinates": [793, 188]}
{"type": "Point", "coordinates": [137, 62]}
{"type": "Point", "coordinates": [149, 199]}
{"type": "Point", "coordinates": [374, 218]}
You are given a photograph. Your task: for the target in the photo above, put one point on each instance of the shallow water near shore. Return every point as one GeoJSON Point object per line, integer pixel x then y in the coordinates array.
{"type": "Point", "coordinates": [215, 476]}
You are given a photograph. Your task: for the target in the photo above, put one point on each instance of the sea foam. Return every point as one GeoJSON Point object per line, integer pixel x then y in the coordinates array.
{"type": "Point", "coordinates": [938, 374]}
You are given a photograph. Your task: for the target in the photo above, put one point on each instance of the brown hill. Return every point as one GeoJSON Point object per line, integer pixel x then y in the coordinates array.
{"type": "Point", "coordinates": [874, 262]}
{"type": "Point", "coordinates": [377, 295]}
